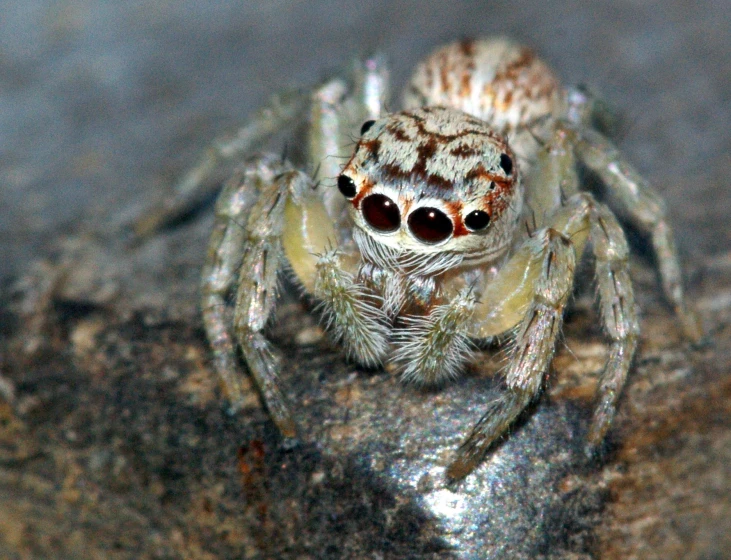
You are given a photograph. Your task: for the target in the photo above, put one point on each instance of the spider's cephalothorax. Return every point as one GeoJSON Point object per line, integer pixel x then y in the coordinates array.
{"type": "Point", "coordinates": [434, 198]}
{"type": "Point", "coordinates": [431, 181]}
{"type": "Point", "coordinates": [417, 246]}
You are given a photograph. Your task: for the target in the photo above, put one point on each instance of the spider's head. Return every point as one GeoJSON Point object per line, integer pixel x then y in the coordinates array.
{"type": "Point", "coordinates": [434, 180]}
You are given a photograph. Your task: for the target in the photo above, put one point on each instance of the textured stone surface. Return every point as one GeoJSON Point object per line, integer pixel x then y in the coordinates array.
{"type": "Point", "coordinates": [113, 442]}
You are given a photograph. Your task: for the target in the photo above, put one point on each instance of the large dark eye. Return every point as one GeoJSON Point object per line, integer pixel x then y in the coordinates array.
{"type": "Point", "coordinates": [346, 186]}
{"type": "Point", "coordinates": [477, 220]}
{"type": "Point", "coordinates": [430, 225]}
{"type": "Point", "coordinates": [366, 127]}
{"type": "Point", "coordinates": [506, 163]}
{"type": "Point", "coordinates": [381, 213]}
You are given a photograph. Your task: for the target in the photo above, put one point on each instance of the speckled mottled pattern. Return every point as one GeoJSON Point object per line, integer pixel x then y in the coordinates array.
{"type": "Point", "coordinates": [496, 80]}
{"type": "Point", "coordinates": [439, 157]}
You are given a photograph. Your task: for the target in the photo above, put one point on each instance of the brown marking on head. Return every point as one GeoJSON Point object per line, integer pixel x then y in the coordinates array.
{"type": "Point", "coordinates": [405, 204]}
{"type": "Point", "coordinates": [425, 151]}
{"type": "Point", "coordinates": [454, 211]}
{"type": "Point", "coordinates": [394, 173]}
{"type": "Point", "coordinates": [397, 132]}
{"type": "Point", "coordinates": [480, 173]}
{"type": "Point", "coordinates": [497, 198]}
{"type": "Point", "coordinates": [445, 138]}
{"type": "Point", "coordinates": [365, 189]}
{"type": "Point", "coordinates": [372, 146]}
{"type": "Point", "coordinates": [464, 151]}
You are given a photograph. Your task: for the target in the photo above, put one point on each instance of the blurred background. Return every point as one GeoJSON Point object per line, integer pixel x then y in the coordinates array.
{"type": "Point", "coordinates": [103, 102]}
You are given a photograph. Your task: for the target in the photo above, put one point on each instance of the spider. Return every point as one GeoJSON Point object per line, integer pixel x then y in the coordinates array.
{"type": "Point", "coordinates": [458, 219]}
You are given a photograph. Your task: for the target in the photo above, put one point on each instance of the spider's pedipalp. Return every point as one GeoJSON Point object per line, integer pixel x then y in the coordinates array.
{"type": "Point", "coordinates": [352, 312]}
{"type": "Point", "coordinates": [432, 348]}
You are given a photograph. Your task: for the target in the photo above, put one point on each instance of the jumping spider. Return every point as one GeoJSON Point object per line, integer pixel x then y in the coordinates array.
{"type": "Point", "coordinates": [459, 218]}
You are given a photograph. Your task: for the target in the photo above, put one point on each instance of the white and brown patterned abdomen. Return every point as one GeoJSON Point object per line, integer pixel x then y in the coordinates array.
{"type": "Point", "coordinates": [495, 80]}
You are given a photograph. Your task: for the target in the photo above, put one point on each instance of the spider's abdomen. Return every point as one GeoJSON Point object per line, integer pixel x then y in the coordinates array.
{"type": "Point", "coordinates": [495, 80]}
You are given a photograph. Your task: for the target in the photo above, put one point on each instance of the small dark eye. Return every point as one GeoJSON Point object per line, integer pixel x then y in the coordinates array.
{"type": "Point", "coordinates": [506, 163]}
{"type": "Point", "coordinates": [381, 213]}
{"type": "Point", "coordinates": [477, 220]}
{"type": "Point", "coordinates": [346, 186]}
{"type": "Point", "coordinates": [430, 225]}
{"type": "Point", "coordinates": [366, 127]}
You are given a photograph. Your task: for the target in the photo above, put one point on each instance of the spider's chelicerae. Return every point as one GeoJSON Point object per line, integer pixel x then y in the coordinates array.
{"type": "Point", "coordinates": [460, 218]}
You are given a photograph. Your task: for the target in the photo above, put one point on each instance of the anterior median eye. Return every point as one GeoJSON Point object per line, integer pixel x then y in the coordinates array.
{"type": "Point", "coordinates": [477, 220]}
{"type": "Point", "coordinates": [430, 225]}
{"type": "Point", "coordinates": [381, 213]}
{"type": "Point", "coordinates": [346, 186]}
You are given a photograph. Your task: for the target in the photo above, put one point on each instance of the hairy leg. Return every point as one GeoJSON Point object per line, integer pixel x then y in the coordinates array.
{"type": "Point", "coordinates": [635, 199]}
{"type": "Point", "coordinates": [280, 112]}
{"type": "Point", "coordinates": [265, 212]}
{"type": "Point", "coordinates": [245, 255]}
{"type": "Point", "coordinates": [581, 219]}
{"type": "Point", "coordinates": [352, 311]}
{"type": "Point", "coordinates": [551, 180]}
{"type": "Point", "coordinates": [582, 215]}
{"type": "Point", "coordinates": [222, 265]}
{"type": "Point", "coordinates": [548, 260]}
{"type": "Point", "coordinates": [434, 347]}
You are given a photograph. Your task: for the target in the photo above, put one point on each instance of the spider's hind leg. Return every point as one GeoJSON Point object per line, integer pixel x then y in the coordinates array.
{"type": "Point", "coordinates": [586, 109]}
{"type": "Point", "coordinates": [335, 114]}
{"type": "Point", "coordinates": [633, 198]}
{"type": "Point", "coordinates": [583, 217]}
{"type": "Point", "coordinates": [199, 181]}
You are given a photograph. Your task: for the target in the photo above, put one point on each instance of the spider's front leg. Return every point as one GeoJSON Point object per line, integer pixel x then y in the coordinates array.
{"type": "Point", "coordinates": [530, 291]}
{"type": "Point", "coordinates": [248, 221]}
{"type": "Point", "coordinates": [263, 213]}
